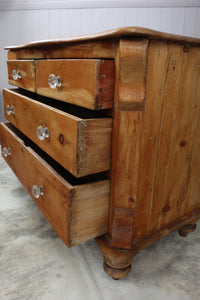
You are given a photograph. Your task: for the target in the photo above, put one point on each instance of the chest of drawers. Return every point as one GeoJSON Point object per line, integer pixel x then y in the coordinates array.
{"type": "Point", "coordinates": [104, 134]}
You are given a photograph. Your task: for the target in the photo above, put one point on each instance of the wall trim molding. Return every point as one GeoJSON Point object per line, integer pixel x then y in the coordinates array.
{"type": "Point", "coordinates": [75, 4]}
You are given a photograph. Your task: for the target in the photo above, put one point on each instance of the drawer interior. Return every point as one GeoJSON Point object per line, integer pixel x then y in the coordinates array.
{"type": "Point", "coordinates": [78, 111]}
{"type": "Point", "coordinates": [76, 208]}
{"type": "Point", "coordinates": [72, 180]}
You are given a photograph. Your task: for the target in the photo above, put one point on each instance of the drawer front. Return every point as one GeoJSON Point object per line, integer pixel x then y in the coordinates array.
{"type": "Point", "coordinates": [82, 146]}
{"type": "Point", "coordinates": [83, 82]}
{"type": "Point", "coordinates": [77, 213]}
{"type": "Point", "coordinates": [22, 74]}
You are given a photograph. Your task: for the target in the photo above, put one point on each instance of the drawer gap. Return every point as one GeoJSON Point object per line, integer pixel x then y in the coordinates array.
{"type": "Point", "coordinates": [63, 172]}
{"type": "Point", "coordinates": [72, 109]}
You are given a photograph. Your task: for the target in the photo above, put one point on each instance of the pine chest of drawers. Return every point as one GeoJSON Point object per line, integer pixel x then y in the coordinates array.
{"type": "Point", "coordinates": [104, 134]}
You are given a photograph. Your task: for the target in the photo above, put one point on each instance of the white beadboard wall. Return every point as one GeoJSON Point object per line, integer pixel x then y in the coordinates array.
{"type": "Point", "coordinates": [22, 23]}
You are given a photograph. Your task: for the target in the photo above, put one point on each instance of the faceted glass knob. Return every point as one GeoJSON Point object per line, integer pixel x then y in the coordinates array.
{"type": "Point", "coordinates": [37, 191]}
{"type": "Point", "coordinates": [6, 151]}
{"type": "Point", "coordinates": [16, 74]}
{"type": "Point", "coordinates": [42, 133]}
{"type": "Point", "coordinates": [54, 81]}
{"type": "Point", "coordinates": [10, 110]}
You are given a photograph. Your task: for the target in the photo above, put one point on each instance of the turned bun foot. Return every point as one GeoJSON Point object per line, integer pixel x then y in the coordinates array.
{"type": "Point", "coordinates": [117, 262]}
{"type": "Point", "coordinates": [116, 273]}
{"type": "Point", "coordinates": [187, 229]}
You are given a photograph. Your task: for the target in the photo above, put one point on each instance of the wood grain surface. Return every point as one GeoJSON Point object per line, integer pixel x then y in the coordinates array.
{"type": "Point", "coordinates": [87, 83]}
{"type": "Point", "coordinates": [80, 145]}
{"type": "Point", "coordinates": [77, 213]}
{"type": "Point", "coordinates": [93, 49]}
{"type": "Point", "coordinates": [27, 72]}
{"type": "Point", "coordinates": [112, 34]}
{"type": "Point", "coordinates": [169, 138]}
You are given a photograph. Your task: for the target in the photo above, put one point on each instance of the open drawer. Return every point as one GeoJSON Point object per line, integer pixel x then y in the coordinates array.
{"type": "Point", "coordinates": [76, 208]}
{"type": "Point", "coordinates": [76, 138]}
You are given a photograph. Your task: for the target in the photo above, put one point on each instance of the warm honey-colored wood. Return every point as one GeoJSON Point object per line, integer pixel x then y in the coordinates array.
{"type": "Point", "coordinates": [169, 132]}
{"type": "Point", "coordinates": [27, 72]}
{"type": "Point", "coordinates": [80, 145]}
{"type": "Point", "coordinates": [151, 80]}
{"type": "Point", "coordinates": [178, 126]}
{"type": "Point", "coordinates": [77, 213]}
{"type": "Point", "coordinates": [157, 69]}
{"type": "Point", "coordinates": [89, 211]}
{"type": "Point", "coordinates": [122, 229]}
{"type": "Point", "coordinates": [118, 33]}
{"type": "Point", "coordinates": [97, 49]}
{"type": "Point", "coordinates": [116, 273]}
{"type": "Point", "coordinates": [119, 258]}
{"type": "Point", "coordinates": [191, 197]}
{"type": "Point", "coordinates": [133, 56]}
{"type": "Point", "coordinates": [87, 83]}
{"type": "Point", "coordinates": [127, 128]}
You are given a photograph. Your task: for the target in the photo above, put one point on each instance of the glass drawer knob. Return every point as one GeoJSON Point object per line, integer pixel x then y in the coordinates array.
{"type": "Point", "coordinates": [6, 151]}
{"type": "Point", "coordinates": [10, 110]}
{"type": "Point", "coordinates": [37, 191]}
{"type": "Point", "coordinates": [54, 81]}
{"type": "Point", "coordinates": [42, 133]}
{"type": "Point", "coordinates": [16, 74]}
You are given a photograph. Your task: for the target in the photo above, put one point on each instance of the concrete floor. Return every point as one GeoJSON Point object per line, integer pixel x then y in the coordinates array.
{"type": "Point", "coordinates": [35, 263]}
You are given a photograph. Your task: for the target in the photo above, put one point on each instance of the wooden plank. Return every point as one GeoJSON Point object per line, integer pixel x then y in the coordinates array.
{"type": "Point", "coordinates": [111, 34]}
{"type": "Point", "coordinates": [157, 70]}
{"type": "Point", "coordinates": [178, 123]}
{"type": "Point", "coordinates": [123, 227]}
{"type": "Point", "coordinates": [127, 129]}
{"type": "Point", "coordinates": [82, 82]}
{"type": "Point", "coordinates": [35, 171]}
{"type": "Point", "coordinates": [99, 49]}
{"type": "Point", "coordinates": [133, 62]}
{"type": "Point", "coordinates": [190, 200]}
{"type": "Point", "coordinates": [82, 146]}
{"type": "Point", "coordinates": [89, 211]}
{"type": "Point", "coordinates": [159, 207]}
{"type": "Point", "coordinates": [127, 149]}
{"type": "Point", "coordinates": [27, 73]}
{"type": "Point", "coordinates": [187, 117]}
{"type": "Point", "coordinates": [94, 146]}
{"type": "Point", "coordinates": [77, 213]}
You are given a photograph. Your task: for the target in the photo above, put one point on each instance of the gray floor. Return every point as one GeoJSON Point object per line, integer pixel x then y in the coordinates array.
{"type": "Point", "coordinates": [35, 263]}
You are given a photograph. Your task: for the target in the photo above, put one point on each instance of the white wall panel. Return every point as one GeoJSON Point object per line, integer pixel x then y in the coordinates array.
{"type": "Point", "coordinates": [39, 22]}
{"type": "Point", "coordinates": [177, 20]}
{"type": "Point", "coordinates": [191, 21]}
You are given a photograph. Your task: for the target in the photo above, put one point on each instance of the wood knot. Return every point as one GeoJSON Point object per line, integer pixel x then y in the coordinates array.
{"type": "Point", "coordinates": [131, 199]}
{"type": "Point", "coordinates": [182, 143]}
{"type": "Point", "coordinates": [186, 48]}
{"type": "Point", "coordinates": [61, 139]}
{"type": "Point", "coordinates": [165, 209]}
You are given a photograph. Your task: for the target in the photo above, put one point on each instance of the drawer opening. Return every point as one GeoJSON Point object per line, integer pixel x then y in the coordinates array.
{"type": "Point", "coordinates": [78, 111]}
{"type": "Point", "coordinates": [59, 169]}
